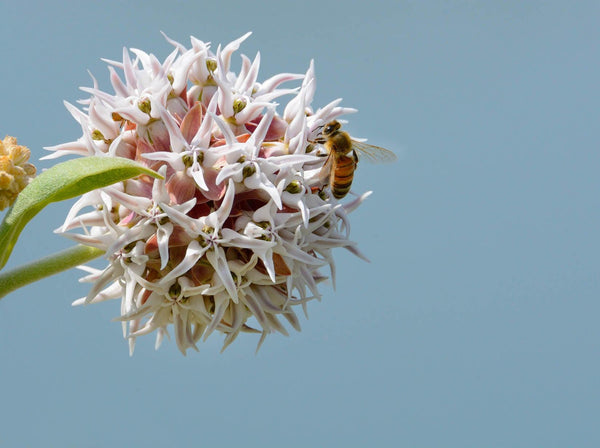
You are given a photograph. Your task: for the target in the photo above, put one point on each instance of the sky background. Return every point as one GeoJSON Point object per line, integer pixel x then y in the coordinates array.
{"type": "Point", "coordinates": [476, 322]}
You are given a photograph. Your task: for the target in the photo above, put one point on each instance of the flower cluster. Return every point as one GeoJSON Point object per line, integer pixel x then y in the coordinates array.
{"type": "Point", "coordinates": [15, 171]}
{"type": "Point", "coordinates": [233, 236]}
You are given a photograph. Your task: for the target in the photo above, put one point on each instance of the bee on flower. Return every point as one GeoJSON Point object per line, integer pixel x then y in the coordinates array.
{"type": "Point", "coordinates": [234, 237]}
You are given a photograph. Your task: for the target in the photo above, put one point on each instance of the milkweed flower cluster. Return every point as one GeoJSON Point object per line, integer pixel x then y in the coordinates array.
{"type": "Point", "coordinates": [15, 171]}
{"type": "Point", "coordinates": [235, 235]}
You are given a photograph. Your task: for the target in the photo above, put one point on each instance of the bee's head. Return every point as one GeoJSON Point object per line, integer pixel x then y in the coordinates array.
{"type": "Point", "coordinates": [331, 127]}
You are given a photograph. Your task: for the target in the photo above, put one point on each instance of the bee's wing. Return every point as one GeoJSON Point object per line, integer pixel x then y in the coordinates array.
{"type": "Point", "coordinates": [326, 169]}
{"type": "Point", "coordinates": [373, 154]}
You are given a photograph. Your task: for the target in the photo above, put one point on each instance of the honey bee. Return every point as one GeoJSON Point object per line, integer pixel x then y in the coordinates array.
{"type": "Point", "coordinates": [340, 166]}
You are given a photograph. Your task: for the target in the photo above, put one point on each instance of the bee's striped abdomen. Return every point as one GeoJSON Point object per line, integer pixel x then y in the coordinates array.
{"type": "Point", "coordinates": [342, 175]}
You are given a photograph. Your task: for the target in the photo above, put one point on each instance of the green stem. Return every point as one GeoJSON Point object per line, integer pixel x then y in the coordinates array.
{"type": "Point", "coordinates": [45, 267]}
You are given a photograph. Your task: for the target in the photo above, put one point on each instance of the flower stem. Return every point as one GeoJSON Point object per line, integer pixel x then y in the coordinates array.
{"type": "Point", "coordinates": [45, 267]}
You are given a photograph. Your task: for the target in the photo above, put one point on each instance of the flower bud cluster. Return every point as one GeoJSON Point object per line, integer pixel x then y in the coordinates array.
{"type": "Point", "coordinates": [15, 171]}
{"type": "Point", "coordinates": [233, 237]}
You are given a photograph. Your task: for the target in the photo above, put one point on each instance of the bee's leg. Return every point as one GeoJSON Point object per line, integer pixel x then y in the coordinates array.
{"type": "Point", "coordinates": [355, 157]}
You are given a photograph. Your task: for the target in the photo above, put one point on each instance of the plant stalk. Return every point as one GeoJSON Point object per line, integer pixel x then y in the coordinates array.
{"type": "Point", "coordinates": [45, 267]}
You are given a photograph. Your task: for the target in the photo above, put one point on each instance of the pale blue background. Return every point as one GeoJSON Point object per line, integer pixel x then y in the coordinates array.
{"type": "Point", "coordinates": [475, 325]}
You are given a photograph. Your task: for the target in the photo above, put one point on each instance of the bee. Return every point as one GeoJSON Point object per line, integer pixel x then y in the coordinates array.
{"type": "Point", "coordinates": [340, 166]}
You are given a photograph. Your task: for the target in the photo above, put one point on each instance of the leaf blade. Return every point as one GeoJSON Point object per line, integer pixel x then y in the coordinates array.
{"type": "Point", "coordinates": [63, 181]}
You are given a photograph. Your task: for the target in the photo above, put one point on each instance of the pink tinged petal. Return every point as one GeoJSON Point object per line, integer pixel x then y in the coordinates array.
{"type": "Point", "coordinates": [298, 104]}
{"type": "Point", "coordinates": [276, 130]}
{"type": "Point", "coordinates": [176, 44]}
{"type": "Point", "coordinates": [229, 136]}
{"type": "Point", "coordinates": [117, 84]}
{"type": "Point", "coordinates": [113, 291]}
{"type": "Point", "coordinates": [263, 249]}
{"type": "Point", "coordinates": [198, 176]}
{"type": "Point", "coordinates": [176, 106]}
{"type": "Point", "coordinates": [297, 120]}
{"type": "Point", "coordinates": [160, 335]}
{"type": "Point", "coordinates": [292, 251]}
{"type": "Point", "coordinates": [309, 83]}
{"type": "Point", "coordinates": [172, 158]}
{"type": "Point", "coordinates": [269, 97]}
{"type": "Point", "coordinates": [267, 260]}
{"type": "Point", "coordinates": [273, 82]}
{"type": "Point", "coordinates": [128, 70]}
{"type": "Point", "coordinates": [266, 301]}
{"type": "Point", "coordinates": [137, 188]}
{"type": "Point", "coordinates": [166, 66]}
{"type": "Point", "coordinates": [183, 336]}
{"type": "Point", "coordinates": [225, 100]}
{"type": "Point", "coordinates": [110, 100]}
{"type": "Point", "coordinates": [107, 126]}
{"type": "Point", "coordinates": [184, 64]}
{"type": "Point", "coordinates": [178, 238]}
{"type": "Point", "coordinates": [232, 172]}
{"type": "Point", "coordinates": [352, 205]}
{"type": "Point", "coordinates": [114, 146]}
{"type": "Point", "coordinates": [89, 199]}
{"type": "Point", "coordinates": [292, 160]}
{"type": "Point", "coordinates": [190, 225]}
{"type": "Point", "coordinates": [353, 249]}
{"type": "Point", "coordinates": [159, 192]}
{"type": "Point", "coordinates": [159, 100]}
{"type": "Point", "coordinates": [250, 300]}
{"type": "Point", "coordinates": [120, 147]}
{"type": "Point", "coordinates": [189, 290]}
{"type": "Point", "coordinates": [204, 134]}
{"type": "Point", "coordinates": [249, 78]}
{"type": "Point", "coordinates": [130, 289]}
{"type": "Point", "coordinates": [304, 211]}
{"type": "Point", "coordinates": [237, 319]}
{"type": "Point", "coordinates": [180, 188]}
{"type": "Point", "coordinates": [276, 325]}
{"type": "Point", "coordinates": [159, 319]}
{"type": "Point", "coordinates": [178, 143]}
{"type": "Point", "coordinates": [297, 144]}
{"type": "Point", "coordinates": [78, 115]}
{"type": "Point", "coordinates": [262, 339]}
{"type": "Point", "coordinates": [292, 319]}
{"type": "Point", "coordinates": [326, 254]}
{"type": "Point", "coordinates": [193, 253]}
{"type": "Point", "coordinates": [94, 218]}
{"type": "Point", "coordinates": [191, 122]}
{"type": "Point", "coordinates": [243, 73]}
{"type": "Point", "coordinates": [310, 282]}
{"type": "Point", "coordinates": [107, 275]}
{"type": "Point", "coordinates": [72, 148]}
{"type": "Point", "coordinates": [216, 190]}
{"type": "Point", "coordinates": [260, 181]}
{"type": "Point", "coordinates": [216, 258]}
{"type": "Point", "coordinates": [224, 57]}
{"type": "Point", "coordinates": [87, 240]}
{"type": "Point", "coordinates": [259, 134]}
{"type": "Point", "coordinates": [251, 111]}
{"type": "Point", "coordinates": [162, 233]}
{"type": "Point", "coordinates": [157, 135]}
{"type": "Point", "coordinates": [221, 303]}
{"type": "Point", "coordinates": [133, 114]}
{"type": "Point", "coordinates": [223, 212]}
{"type": "Point", "coordinates": [265, 213]}
{"type": "Point", "coordinates": [94, 274]}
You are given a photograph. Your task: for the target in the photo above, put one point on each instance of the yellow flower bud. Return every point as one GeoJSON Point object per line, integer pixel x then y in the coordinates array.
{"type": "Point", "coordinates": [15, 172]}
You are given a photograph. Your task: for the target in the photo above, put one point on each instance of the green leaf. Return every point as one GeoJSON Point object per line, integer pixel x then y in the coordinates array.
{"type": "Point", "coordinates": [63, 181]}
